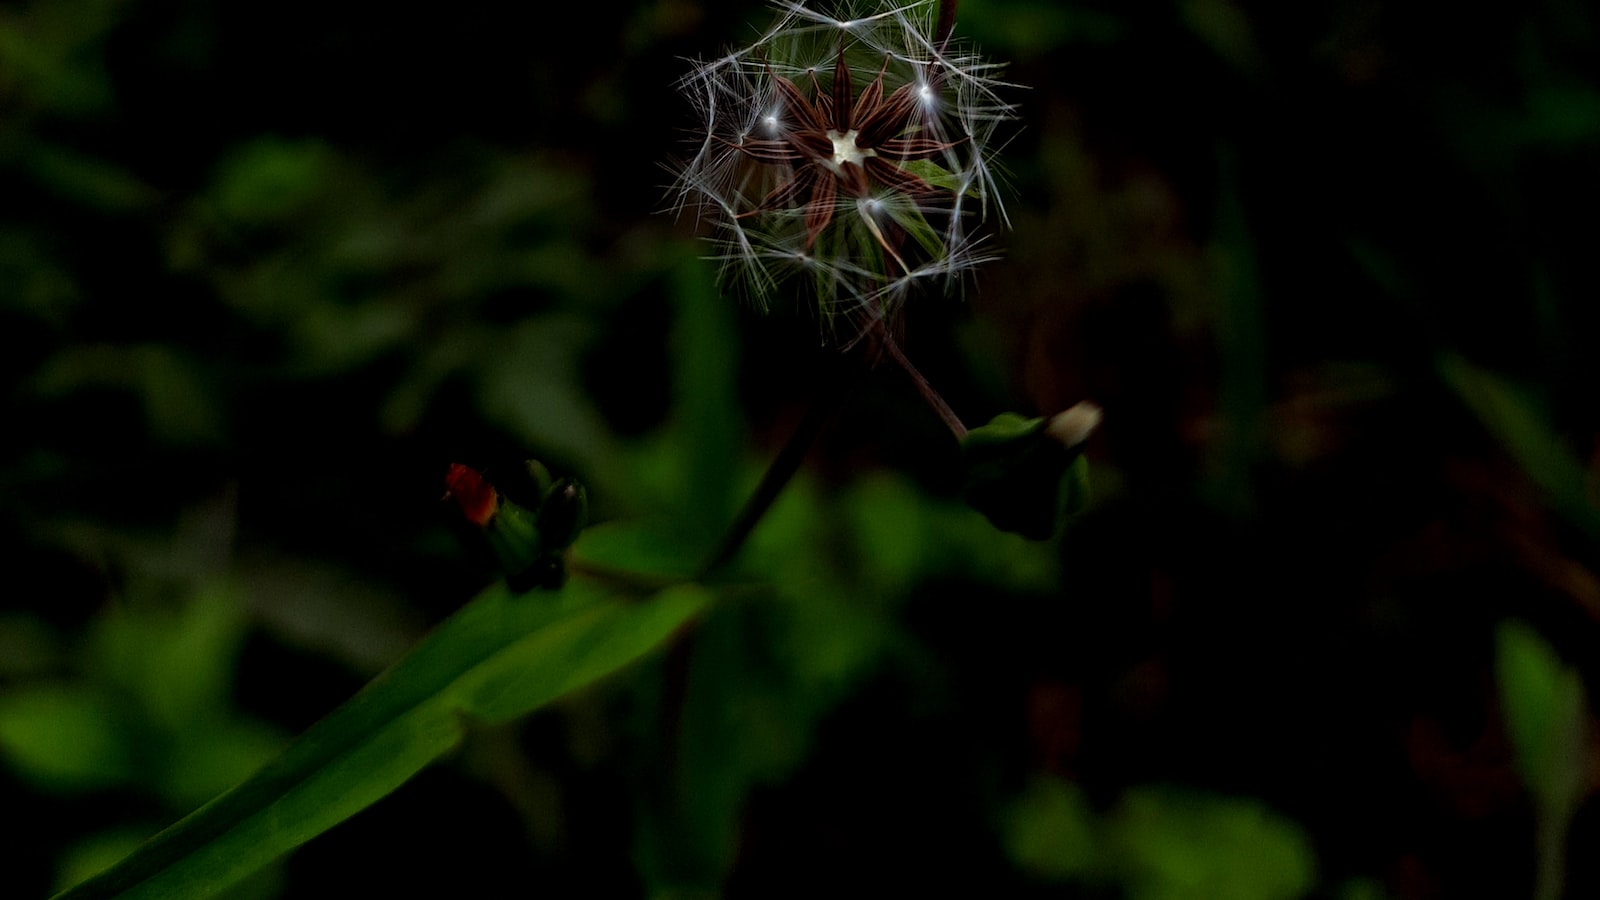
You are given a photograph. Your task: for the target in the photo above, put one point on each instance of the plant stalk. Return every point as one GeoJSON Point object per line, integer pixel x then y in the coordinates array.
{"type": "Point", "coordinates": [779, 472]}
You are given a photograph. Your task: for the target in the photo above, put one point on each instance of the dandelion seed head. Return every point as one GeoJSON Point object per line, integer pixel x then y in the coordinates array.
{"type": "Point", "coordinates": [846, 149]}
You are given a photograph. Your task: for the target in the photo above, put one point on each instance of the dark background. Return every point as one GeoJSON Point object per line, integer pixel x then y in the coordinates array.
{"type": "Point", "coordinates": [267, 269]}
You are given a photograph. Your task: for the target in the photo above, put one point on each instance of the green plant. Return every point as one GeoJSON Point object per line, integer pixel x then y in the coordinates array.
{"type": "Point", "coordinates": [871, 184]}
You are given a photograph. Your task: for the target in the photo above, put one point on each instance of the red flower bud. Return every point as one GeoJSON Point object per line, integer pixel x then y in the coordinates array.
{"type": "Point", "coordinates": [476, 497]}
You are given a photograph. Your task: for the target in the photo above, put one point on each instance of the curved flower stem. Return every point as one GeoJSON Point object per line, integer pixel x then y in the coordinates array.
{"type": "Point", "coordinates": [951, 420]}
{"type": "Point", "coordinates": [777, 476]}
{"type": "Point", "coordinates": [782, 468]}
{"type": "Point", "coordinates": [884, 342]}
{"type": "Point", "coordinates": [830, 396]}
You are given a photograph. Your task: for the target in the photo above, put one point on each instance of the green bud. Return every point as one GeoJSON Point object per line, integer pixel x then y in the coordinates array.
{"type": "Point", "coordinates": [563, 514]}
{"type": "Point", "coordinates": [540, 475]}
{"type": "Point", "coordinates": [1025, 474]}
{"type": "Point", "coordinates": [514, 536]}
{"type": "Point", "coordinates": [527, 543]}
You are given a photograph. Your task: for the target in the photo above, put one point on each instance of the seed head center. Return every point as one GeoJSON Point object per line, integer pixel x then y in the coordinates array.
{"type": "Point", "coordinates": [845, 149]}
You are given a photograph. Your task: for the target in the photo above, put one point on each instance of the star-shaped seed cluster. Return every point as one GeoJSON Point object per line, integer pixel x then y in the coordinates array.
{"type": "Point", "coordinates": [851, 146]}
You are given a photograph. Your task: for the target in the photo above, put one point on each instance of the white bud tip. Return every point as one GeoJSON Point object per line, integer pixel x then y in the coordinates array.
{"type": "Point", "coordinates": [1074, 425]}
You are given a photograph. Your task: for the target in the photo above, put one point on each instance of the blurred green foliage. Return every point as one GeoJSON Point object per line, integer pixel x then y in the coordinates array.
{"type": "Point", "coordinates": [1161, 843]}
{"type": "Point", "coordinates": [152, 710]}
{"type": "Point", "coordinates": [1546, 721]}
{"type": "Point", "coordinates": [1327, 628]}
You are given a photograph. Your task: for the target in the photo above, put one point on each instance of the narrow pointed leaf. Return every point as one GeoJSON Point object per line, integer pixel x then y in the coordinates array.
{"type": "Point", "coordinates": [500, 657]}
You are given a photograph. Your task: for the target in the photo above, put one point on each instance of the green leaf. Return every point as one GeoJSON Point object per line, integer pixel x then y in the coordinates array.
{"type": "Point", "coordinates": [179, 406]}
{"type": "Point", "coordinates": [1052, 832]}
{"type": "Point", "coordinates": [270, 178]}
{"type": "Point", "coordinates": [939, 176]}
{"type": "Point", "coordinates": [705, 396]}
{"type": "Point", "coordinates": [95, 854]}
{"type": "Point", "coordinates": [1022, 474]}
{"type": "Point", "coordinates": [1160, 844]}
{"type": "Point", "coordinates": [763, 670]}
{"type": "Point", "coordinates": [500, 657]}
{"type": "Point", "coordinates": [1173, 844]}
{"type": "Point", "coordinates": [1242, 344]}
{"type": "Point", "coordinates": [64, 736]}
{"type": "Point", "coordinates": [177, 665]}
{"type": "Point", "coordinates": [1544, 711]}
{"type": "Point", "coordinates": [1511, 415]}
{"type": "Point", "coordinates": [93, 182]}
